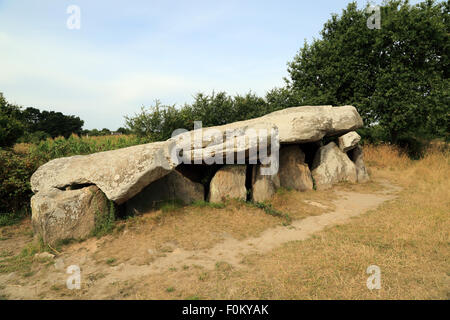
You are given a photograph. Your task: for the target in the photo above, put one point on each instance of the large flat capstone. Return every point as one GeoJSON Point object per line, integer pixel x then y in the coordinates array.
{"type": "Point", "coordinates": [122, 174]}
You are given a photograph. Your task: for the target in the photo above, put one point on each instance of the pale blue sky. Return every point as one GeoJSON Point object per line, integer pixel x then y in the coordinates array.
{"type": "Point", "coordinates": [129, 53]}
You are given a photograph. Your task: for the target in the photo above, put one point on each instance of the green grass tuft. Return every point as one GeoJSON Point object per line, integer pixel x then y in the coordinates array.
{"type": "Point", "coordinates": [267, 207]}
{"type": "Point", "coordinates": [205, 204]}
{"type": "Point", "coordinates": [170, 205]}
{"type": "Point", "coordinates": [8, 219]}
{"type": "Point", "coordinates": [104, 221]}
{"type": "Point", "coordinates": [22, 262]}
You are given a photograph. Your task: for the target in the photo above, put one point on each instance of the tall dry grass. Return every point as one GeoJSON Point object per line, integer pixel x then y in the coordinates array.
{"type": "Point", "coordinates": [408, 238]}
{"type": "Point", "coordinates": [385, 156]}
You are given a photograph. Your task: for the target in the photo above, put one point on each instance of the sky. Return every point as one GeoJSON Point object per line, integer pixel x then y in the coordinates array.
{"type": "Point", "coordinates": [127, 54]}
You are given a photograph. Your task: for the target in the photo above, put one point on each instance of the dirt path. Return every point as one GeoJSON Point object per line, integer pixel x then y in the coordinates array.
{"type": "Point", "coordinates": [348, 204]}
{"type": "Point", "coordinates": [232, 251]}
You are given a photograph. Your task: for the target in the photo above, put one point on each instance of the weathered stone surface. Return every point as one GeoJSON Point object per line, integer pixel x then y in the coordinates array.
{"type": "Point", "coordinates": [172, 187]}
{"type": "Point", "coordinates": [348, 141]}
{"type": "Point", "coordinates": [331, 165]}
{"type": "Point", "coordinates": [120, 174]}
{"type": "Point", "coordinates": [294, 172]}
{"type": "Point", "coordinates": [358, 159]}
{"type": "Point", "coordinates": [235, 141]}
{"type": "Point", "coordinates": [44, 255]}
{"type": "Point", "coordinates": [312, 123]}
{"type": "Point", "coordinates": [263, 186]}
{"type": "Point", "coordinates": [58, 215]}
{"type": "Point", "coordinates": [292, 125]}
{"type": "Point", "coordinates": [228, 182]}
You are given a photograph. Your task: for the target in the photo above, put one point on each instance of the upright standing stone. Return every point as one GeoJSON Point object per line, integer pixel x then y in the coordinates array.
{"type": "Point", "coordinates": [331, 165]}
{"type": "Point", "coordinates": [263, 186]}
{"type": "Point", "coordinates": [358, 159]}
{"type": "Point", "coordinates": [294, 172]}
{"type": "Point", "coordinates": [228, 182]}
{"type": "Point", "coordinates": [69, 214]}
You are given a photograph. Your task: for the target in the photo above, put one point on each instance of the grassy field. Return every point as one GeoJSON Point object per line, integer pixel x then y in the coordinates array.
{"type": "Point", "coordinates": [75, 145]}
{"type": "Point", "coordinates": [407, 237]}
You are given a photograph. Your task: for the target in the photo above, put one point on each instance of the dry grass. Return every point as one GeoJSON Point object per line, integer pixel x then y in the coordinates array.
{"type": "Point", "coordinates": [407, 238]}
{"type": "Point", "coordinates": [385, 156]}
{"type": "Point", "coordinates": [293, 202]}
{"type": "Point", "coordinates": [201, 227]}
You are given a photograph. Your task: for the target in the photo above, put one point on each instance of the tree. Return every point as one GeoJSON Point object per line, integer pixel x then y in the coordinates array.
{"type": "Point", "coordinates": [32, 125]}
{"type": "Point", "coordinates": [11, 128]}
{"type": "Point", "coordinates": [159, 121]}
{"type": "Point", "coordinates": [57, 124]}
{"type": "Point", "coordinates": [105, 132]}
{"type": "Point", "coordinates": [396, 76]}
{"type": "Point", "coordinates": [123, 130]}
{"type": "Point", "coordinates": [94, 132]}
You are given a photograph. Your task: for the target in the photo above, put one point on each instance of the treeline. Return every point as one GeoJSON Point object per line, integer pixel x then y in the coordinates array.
{"type": "Point", "coordinates": [158, 121]}
{"type": "Point", "coordinates": [104, 132]}
{"type": "Point", "coordinates": [32, 125]}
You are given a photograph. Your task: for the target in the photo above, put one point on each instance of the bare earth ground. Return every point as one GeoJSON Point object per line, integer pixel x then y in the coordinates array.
{"type": "Point", "coordinates": [240, 252]}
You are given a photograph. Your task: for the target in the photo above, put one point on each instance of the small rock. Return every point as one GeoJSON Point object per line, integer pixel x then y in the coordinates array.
{"type": "Point", "coordinates": [118, 267]}
{"type": "Point", "coordinates": [358, 159]}
{"type": "Point", "coordinates": [59, 264]}
{"type": "Point", "coordinates": [348, 141]}
{"type": "Point", "coordinates": [44, 255]}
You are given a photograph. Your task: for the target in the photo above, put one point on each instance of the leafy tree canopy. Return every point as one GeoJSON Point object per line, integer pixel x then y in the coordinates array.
{"type": "Point", "coordinates": [397, 76]}
{"type": "Point", "coordinates": [31, 124]}
{"type": "Point", "coordinates": [10, 126]}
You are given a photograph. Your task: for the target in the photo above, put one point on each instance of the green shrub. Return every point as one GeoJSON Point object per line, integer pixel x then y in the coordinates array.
{"type": "Point", "coordinates": [74, 145]}
{"type": "Point", "coordinates": [10, 218]}
{"type": "Point", "coordinates": [10, 130]}
{"type": "Point", "coordinates": [414, 147]}
{"type": "Point", "coordinates": [375, 134]}
{"type": "Point", "coordinates": [104, 221]}
{"type": "Point", "coordinates": [159, 121]}
{"type": "Point", "coordinates": [34, 137]}
{"type": "Point", "coordinates": [15, 174]}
